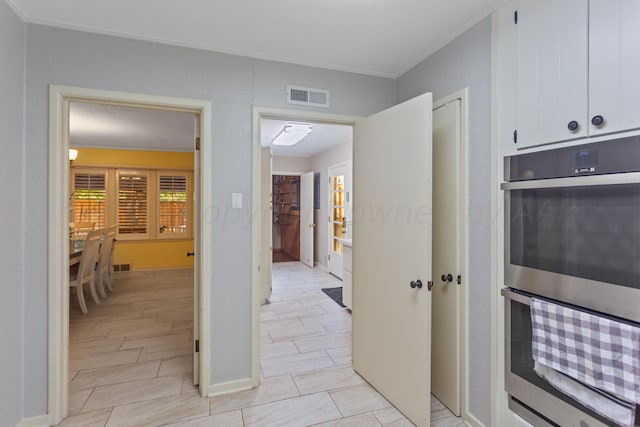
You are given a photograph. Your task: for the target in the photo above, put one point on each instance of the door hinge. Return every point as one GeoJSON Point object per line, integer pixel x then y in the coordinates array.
{"type": "Point", "coordinates": [198, 144]}
{"type": "Point", "coordinates": [515, 17]}
{"type": "Point", "coordinates": [515, 136]}
{"type": "Point", "coordinates": [197, 346]}
{"type": "Point", "coordinates": [459, 279]}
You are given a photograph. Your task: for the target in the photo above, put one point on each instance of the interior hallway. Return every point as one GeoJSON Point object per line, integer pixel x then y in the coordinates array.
{"type": "Point", "coordinates": [131, 362]}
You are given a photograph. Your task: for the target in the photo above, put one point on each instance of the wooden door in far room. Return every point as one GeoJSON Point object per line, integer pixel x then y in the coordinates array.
{"type": "Point", "coordinates": [392, 177]}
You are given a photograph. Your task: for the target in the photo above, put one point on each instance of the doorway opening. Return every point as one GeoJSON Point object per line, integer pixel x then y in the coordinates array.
{"type": "Point", "coordinates": [461, 360]}
{"type": "Point", "coordinates": [286, 218]}
{"type": "Point", "coordinates": [61, 99]}
{"type": "Point", "coordinates": [340, 213]}
{"type": "Point", "coordinates": [297, 168]}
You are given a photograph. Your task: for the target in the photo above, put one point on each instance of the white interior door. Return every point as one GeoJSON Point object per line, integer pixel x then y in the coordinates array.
{"type": "Point", "coordinates": [445, 341]}
{"type": "Point", "coordinates": [307, 225]}
{"type": "Point", "coordinates": [266, 224]}
{"type": "Point", "coordinates": [196, 253]}
{"type": "Point", "coordinates": [392, 159]}
{"type": "Point", "coordinates": [337, 217]}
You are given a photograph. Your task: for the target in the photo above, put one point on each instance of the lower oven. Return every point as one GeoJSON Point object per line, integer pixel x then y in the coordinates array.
{"type": "Point", "coordinates": [531, 396]}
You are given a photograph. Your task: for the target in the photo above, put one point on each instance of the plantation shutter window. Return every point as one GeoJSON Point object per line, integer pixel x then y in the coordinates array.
{"type": "Point", "coordinates": [133, 204]}
{"type": "Point", "coordinates": [88, 204]}
{"type": "Point", "coordinates": [173, 206]}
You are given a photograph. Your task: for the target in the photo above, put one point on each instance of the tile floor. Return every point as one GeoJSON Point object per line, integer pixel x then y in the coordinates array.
{"type": "Point", "coordinates": [131, 363]}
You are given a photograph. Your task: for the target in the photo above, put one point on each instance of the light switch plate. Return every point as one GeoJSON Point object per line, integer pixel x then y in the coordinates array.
{"type": "Point", "coordinates": [236, 200]}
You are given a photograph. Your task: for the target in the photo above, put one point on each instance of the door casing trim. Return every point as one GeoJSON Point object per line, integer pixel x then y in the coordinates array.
{"type": "Point", "coordinates": [58, 216]}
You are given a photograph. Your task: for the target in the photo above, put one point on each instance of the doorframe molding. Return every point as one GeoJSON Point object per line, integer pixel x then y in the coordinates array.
{"type": "Point", "coordinates": [58, 216]}
{"type": "Point", "coordinates": [463, 213]}
{"type": "Point", "coordinates": [259, 113]}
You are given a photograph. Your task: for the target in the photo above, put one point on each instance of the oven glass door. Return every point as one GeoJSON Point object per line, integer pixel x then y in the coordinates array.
{"type": "Point", "coordinates": [590, 232]}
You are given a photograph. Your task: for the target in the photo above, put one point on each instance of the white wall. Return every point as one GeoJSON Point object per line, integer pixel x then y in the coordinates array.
{"type": "Point", "coordinates": [11, 217]}
{"type": "Point", "coordinates": [284, 164]}
{"type": "Point", "coordinates": [233, 84]}
{"type": "Point", "coordinates": [321, 163]}
{"type": "Point", "coordinates": [466, 61]}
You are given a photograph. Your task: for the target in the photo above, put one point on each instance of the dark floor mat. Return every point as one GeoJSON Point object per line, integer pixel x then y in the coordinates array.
{"type": "Point", "coordinates": [335, 294]}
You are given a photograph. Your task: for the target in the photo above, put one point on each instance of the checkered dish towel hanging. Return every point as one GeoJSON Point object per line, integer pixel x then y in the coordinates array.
{"type": "Point", "coordinates": [598, 352]}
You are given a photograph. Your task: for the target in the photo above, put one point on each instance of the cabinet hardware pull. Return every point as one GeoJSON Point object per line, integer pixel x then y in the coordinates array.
{"type": "Point", "coordinates": [597, 120]}
{"type": "Point", "coordinates": [573, 125]}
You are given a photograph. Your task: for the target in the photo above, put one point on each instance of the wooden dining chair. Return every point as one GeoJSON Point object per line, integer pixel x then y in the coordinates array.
{"type": "Point", "coordinates": [104, 260]}
{"type": "Point", "coordinates": [87, 269]}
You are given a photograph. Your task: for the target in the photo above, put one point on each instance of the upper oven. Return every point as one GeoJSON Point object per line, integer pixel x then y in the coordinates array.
{"type": "Point", "coordinates": [572, 225]}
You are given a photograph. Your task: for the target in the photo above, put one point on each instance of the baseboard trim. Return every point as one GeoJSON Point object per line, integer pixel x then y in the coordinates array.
{"type": "Point", "coordinates": [320, 267]}
{"type": "Point", "coordinates": [146, 269]}
{"type": "Point", "coordinates": [471, 421]}
{"type": "Point", "coordinates": [39, 421]}
{"type": "Point", "coordinates": [230, 387]}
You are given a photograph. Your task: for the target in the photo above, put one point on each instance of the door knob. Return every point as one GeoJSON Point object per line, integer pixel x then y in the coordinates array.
{"type": "Point", "coordinates": [416, 284]}
{"type": "Point", "coordinates": [190, 253]}
{"type": "Point", "coordinates": [447, 278]}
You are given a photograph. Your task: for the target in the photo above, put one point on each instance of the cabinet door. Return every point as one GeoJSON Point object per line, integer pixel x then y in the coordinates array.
{"type": "Point", "coordinates": [552, 70]}
{"type": "Point", "coordinates": [614, 65]}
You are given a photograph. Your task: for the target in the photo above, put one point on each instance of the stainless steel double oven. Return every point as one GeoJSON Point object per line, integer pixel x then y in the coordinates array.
{"type": "Point", "coordinates": [572, 235]}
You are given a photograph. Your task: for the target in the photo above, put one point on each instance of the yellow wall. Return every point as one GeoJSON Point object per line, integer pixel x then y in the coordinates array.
{"type": "Point", "coordinates": [144, 254]}
{"type": "Point", "coordinates": [153, 255]}
{"type": "Point", "coordinates": [99, 157]}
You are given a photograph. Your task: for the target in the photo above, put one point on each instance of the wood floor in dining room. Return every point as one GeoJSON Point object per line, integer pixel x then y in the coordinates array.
{"type": "Point", "coordinates": [131, 360]}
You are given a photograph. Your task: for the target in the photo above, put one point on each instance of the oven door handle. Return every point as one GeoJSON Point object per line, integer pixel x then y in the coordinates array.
{"type": "Point", "coordinates": [509, 294]}
{"type": "Point", "coordinates": [574, 181]}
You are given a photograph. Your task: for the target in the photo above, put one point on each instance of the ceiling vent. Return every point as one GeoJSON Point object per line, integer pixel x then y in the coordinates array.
{"type": "Point", "coordinates": [307, 96]}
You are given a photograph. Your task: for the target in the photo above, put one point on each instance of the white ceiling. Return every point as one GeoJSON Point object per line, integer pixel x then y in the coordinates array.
{"type": "Point", "coordinates": [322, 137]}
{"type": "Point", "coordinates": [112, 126]}
{"type": "Point", "coordinates": [377, 37]}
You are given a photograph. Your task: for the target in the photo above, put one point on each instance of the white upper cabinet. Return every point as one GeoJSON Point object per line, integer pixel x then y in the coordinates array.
{"type": "Point", "coordinates": [578, 63]}
{"type": "Point", "coordinates": [552, 61]}
{"type": "Point", "coordinates": [614, 65]}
